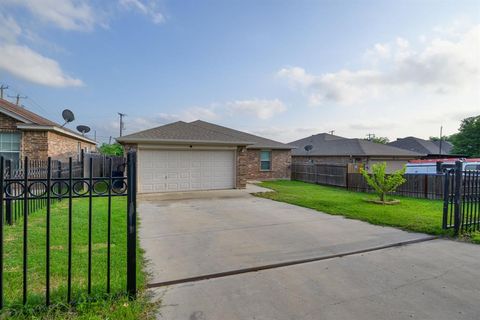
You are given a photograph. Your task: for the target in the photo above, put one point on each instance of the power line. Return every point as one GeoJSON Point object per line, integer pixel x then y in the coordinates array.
{"type": "Point", "coordinates": [18, 97]}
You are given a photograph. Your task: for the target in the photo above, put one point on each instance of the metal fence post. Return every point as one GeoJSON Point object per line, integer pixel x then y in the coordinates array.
{"type": "Point", "coordinates": [131, 224]}
{"type": "Point", "coordinates": [82, 161]}
{"type": "Point", "coordinates": [446, 198]}
{"type": "Point", "coordinates": [8, 189]}
{"type": "Point", "coordinates": [458, 196]}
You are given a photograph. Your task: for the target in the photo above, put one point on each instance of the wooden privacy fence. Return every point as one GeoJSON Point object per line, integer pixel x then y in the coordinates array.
{"type": "Point", "coordinates": [326, 174]}
{"type": "Point", "coordinates": [417, 185]}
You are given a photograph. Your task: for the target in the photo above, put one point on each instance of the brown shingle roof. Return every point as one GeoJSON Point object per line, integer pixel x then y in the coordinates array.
{"type": "Point", "coordinates": [29, 116]}
{"type": "Point", "coordinates": [258, 142]}
{"type": "Point", "coordinates": [200, 132]}
{"type": "Point", "coordinates": [182, 132]}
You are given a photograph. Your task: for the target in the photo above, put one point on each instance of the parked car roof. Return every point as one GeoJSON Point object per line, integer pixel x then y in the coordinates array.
{"type": "Point", "coordinates": [325, 144]}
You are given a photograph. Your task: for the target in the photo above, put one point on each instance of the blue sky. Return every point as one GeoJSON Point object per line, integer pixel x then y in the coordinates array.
{"type": "Point", "coordinates": [281, 69]}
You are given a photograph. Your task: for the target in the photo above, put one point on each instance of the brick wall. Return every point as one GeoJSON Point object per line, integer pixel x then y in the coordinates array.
{"type": "Point", "coordinates": [281, 161]}
{"type": "Point", "coordinates": [241, 169]}
{"type": "Point", "coordinates": [35, 145]}
{"type": "Point", "coordinates": [7, 123]}
{"type": "Point", "coordinates": [39, 145]}
{"type": "Point", "coordinates": [62, 147]}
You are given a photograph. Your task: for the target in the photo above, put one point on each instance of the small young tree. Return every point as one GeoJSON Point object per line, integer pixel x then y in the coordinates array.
{"type": "Point", "coordinates": [114, 149]}
{"type": "Point", "coordinates": [382, 183]}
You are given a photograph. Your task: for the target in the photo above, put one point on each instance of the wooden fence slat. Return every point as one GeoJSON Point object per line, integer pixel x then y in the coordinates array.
{"type": "Point", "coordinates": [416, 186]}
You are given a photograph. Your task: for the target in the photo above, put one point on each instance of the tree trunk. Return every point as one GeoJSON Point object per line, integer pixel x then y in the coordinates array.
{"type": "Point", "coordinates": [382, 196]}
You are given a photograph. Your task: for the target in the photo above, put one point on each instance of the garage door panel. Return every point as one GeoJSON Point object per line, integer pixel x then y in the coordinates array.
{"type": "Point", "coordinates": [175, 170]}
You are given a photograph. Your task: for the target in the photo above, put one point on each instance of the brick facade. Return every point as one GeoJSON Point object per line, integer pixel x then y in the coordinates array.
{"type": "Point", "coordinates": [241, 168]}
{"type": "Point", "coordinates": [60, 146]}
{"type": "Point", "coordinates": [34, 145]}
{"type": "Point", "coordinates": [7, 123]}
{"type": "Point", "coordinates": [38, 145]}
{"type": "Point", "coordinates": [281, 165]}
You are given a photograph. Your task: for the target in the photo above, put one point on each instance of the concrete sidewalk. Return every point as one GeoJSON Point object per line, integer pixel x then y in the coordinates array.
{"type": "Point", "coordinates": [437, 280]}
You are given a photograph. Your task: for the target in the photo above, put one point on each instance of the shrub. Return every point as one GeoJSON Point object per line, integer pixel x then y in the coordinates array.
{"type": "Point", "coordinates": [383, 183]}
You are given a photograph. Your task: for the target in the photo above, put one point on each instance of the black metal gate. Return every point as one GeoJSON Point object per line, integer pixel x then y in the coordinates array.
{"type": "Point", "coordinates": [461, 207]}
{"type": "Point", "coordinates": [37, 192]}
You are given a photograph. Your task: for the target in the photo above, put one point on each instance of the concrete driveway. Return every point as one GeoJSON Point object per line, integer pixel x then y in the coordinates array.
{"type": "Point", "coordinates": [229, 235]}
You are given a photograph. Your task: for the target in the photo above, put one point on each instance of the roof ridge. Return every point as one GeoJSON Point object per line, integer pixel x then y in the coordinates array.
{"type": "Point", "coordinates": [213, 130]}
{"type": "Point", "coordinates": [12, 108]}
{"type": "Point", "coordinates": [156, 127]}
{"type": "Point", "coordinates": [238, 133]}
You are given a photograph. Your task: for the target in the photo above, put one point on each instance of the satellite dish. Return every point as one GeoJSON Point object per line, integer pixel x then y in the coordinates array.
{"type": "Point", "coordinates": [83, 129]}
{"type": "Point", "coordinates": [308, 147]}
{"type": "Point", "coordinates": [68, 116]}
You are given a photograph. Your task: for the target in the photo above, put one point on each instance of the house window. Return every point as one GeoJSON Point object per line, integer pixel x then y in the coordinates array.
{"type": "Point", "coordinates": [265, 160]}
{"type": "Point", "coordinates": [10, 146]}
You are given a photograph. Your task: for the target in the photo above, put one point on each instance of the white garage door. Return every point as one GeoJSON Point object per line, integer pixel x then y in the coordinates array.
{"type": "Point", "coordinates": [172, 170]}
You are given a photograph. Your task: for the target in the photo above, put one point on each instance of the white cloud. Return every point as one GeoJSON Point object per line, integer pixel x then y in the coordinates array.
{"type": "Point", "coordinates": [260, 108]}
{"type": "Point", "coordinates": [9, 29]}
{"type": "Point", "coordinates": [440, 66]}
{"type": "Point", "coordinates": [27, 64]}
{"type": "Point", "coordinates": [64, 14]}
{"type": "Point", "coordinates": [148, 8]}
{"type": "Point", "coordinates": [22, 62]}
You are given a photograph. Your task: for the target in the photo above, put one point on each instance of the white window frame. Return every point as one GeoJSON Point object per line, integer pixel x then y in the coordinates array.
{"type": "Point", "coordinates": [269, 160]}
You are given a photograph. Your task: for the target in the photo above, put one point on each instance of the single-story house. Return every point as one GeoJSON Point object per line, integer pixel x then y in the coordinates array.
{"type": "Point", "coordinates": [430, 148]}
{"type": "Point", "coordinates": [325, 148]}
{"type": "Point", "coordinates": [24, 133]}
{"type": "Point", "coordinates": [198, 155]}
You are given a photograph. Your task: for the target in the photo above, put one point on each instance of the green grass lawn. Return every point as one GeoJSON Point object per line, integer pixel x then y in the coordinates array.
{"type": "Point", "coordinates": [99, 305]}
{"type": "Point", "coordinates": [411, 214]}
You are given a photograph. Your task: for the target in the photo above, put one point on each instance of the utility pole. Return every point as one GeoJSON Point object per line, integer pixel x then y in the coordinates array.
{"type": "Point", "coordinates": [121, 122]}
{"type": "Point", "coordinates": [18, 97]}
{"type": "Point", "coordinates": [110, 140]}
{"type": "Point", "coordinates": [2, 87]}
{"type": "Point", "coordinates": [94, 135]}
{"type": "Point", "coordinates": [441, 139]}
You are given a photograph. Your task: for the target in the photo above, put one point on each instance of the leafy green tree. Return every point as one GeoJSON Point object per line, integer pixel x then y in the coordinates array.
{"type": "Point", "coordinates": [114, 149]}
{"type": "Point", "coordinates": [381, 182]}
{"type": "Point", "coordinates": [467, 140]}
{"type": "Point", "coordinates": [436, 139]}
{"type": "Point", "coordinates": [382, 140]}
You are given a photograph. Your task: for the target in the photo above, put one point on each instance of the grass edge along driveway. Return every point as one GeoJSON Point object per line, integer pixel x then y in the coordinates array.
{"type": "Point", "coordinates": [418, 215]}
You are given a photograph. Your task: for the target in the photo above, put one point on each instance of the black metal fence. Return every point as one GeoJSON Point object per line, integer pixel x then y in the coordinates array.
{"type": "Point", "coordinates": [461, 209]}
{"type": "Point", "coordinates": [35, 188]}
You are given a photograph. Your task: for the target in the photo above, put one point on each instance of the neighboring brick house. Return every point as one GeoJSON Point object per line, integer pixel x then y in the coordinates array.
{"type": "Point", "coordinates": [325, 148]}
{"type": "Point", "coordinates": [200, 156]}
{"type": "Point", "coordinates": [24, 133]}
